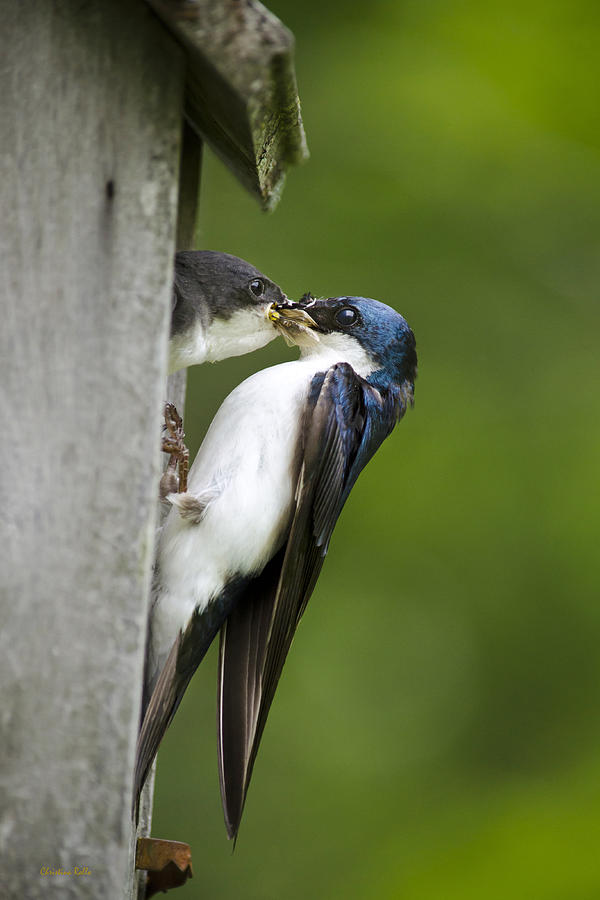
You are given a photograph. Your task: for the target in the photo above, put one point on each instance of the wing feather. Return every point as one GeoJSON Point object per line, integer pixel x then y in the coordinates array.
{"type": "Point", "coordinates": [243, 645]}
{"type": "Point", "coordinates": [258, 634]}
{"type": "Point", "coordinates": [186, 654]}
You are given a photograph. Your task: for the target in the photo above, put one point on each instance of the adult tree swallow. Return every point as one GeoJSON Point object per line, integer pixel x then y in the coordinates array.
{"type": "Point", "coordinates": [242, 549]}
{"type": "Point", "coordinates": [219, 308]}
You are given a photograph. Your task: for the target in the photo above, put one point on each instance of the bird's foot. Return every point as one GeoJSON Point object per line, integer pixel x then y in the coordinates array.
{"type": "Point", "coordinates": [174, 479]}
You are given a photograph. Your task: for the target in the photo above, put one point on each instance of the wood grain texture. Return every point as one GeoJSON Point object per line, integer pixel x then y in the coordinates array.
{"type": "Point", "coordinates": [241, 93]}
{"type": "Point", "coordinates": [91, 104]}
{"type": "Point", "coordinates": [187, 214]}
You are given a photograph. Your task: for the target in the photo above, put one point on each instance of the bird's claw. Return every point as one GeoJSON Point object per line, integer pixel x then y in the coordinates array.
{"type": "Point", "coordinates": [173, 444]}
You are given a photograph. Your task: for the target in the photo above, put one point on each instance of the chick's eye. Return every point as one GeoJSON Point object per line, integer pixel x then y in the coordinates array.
{"type": "Point", "coordinates": [346, 316]}
{"type": "Point", "coordinates": [257, 286]}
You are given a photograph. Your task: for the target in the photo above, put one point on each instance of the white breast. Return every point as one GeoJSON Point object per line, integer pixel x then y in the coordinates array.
{"type": "Point", "coordinates": [245, 469]}
{"type": "Point", "coordinates": [245, 464]}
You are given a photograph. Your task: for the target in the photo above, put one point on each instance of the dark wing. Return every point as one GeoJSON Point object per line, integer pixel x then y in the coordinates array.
{"type": "Point", "coordinates": [184, 658]}
{"type": "Point", "coordinates": [345, 421]}
{"type": "Point", "coordinates": [157, 717]}
{"type": "Point", "coordinates": [242, 655]}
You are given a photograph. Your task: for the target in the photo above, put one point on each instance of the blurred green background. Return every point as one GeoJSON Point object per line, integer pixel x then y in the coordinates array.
{"type": "Point", "coordinates": [436, 732]}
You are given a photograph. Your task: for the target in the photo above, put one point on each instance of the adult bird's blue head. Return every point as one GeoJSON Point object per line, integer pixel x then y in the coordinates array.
{"type": "Point", "coordinates": [375, 338]}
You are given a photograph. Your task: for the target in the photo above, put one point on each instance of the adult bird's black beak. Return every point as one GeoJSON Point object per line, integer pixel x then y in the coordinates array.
{"type": "Point", "coordinates": [290, 312]}
{"type": "Point", "coordinates": [312, 316]}
{"type": "Point", "coordinates": [293, 322]}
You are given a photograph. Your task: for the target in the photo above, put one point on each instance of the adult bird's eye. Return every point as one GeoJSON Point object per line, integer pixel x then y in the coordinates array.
{"type": "Point", "coordinates": [257, 286]}
{"type": "Point", "coordinates": [346, 316]}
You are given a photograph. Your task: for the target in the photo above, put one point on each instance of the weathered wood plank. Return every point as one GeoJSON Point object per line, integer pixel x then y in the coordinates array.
{"type": "Point", "coordinates": [174, 393]}
{"type": "Point", "coordinates": [187, 215]}
{"type": "Point", "coordinates": [90, 104]}
{"type": "Point", "coordinates": [241, 91]}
